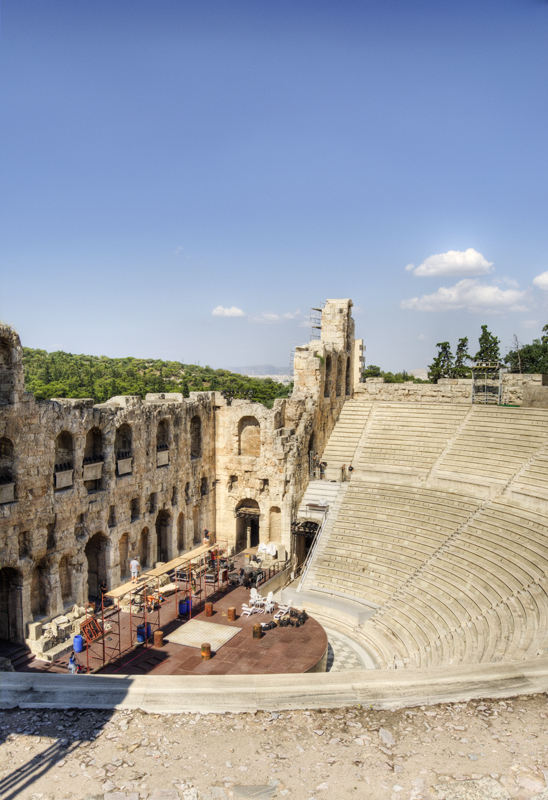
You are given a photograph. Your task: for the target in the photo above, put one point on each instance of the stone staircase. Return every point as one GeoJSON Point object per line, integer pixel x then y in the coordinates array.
{"type": "Point", "coordinates": [345, 437]}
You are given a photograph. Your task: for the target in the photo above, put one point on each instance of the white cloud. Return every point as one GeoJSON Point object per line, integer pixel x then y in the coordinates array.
{"type": "Point", "coordinates": [220, 311]}
{"type": "Point", "coordinates": [454, 262]}
{"type": "Point", "coordinates": [423, 337]}
{"type": "Point", "coordinates": [471, 294]}
{"type": "Point", "coordinates": [270, 317]}
{"type": "Point", "coordinates": [541, 281]}
{"type": "Point", "coordinates": [507, 282]}
{"type": "Point", "coordinates": [529, 323]}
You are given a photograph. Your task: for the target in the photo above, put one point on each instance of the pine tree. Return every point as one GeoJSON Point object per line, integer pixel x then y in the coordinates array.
{"type": "Point", "coordinates": [442, 365]}
{"type": "Point", "coordinates": [460, 369]}
{"type": "Point", "coordinates": [489, 350]}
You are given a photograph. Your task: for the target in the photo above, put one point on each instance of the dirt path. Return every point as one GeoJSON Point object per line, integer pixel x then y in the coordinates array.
{"type": "Point", "coordinates": [499, 749]}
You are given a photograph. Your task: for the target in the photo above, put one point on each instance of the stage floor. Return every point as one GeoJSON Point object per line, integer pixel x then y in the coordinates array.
{"type": "Point", "coordinates": [281, 650]}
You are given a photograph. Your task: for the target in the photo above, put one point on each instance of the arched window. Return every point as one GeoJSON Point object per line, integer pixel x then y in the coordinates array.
{"type": "Point", "coordinates": [181, 544]}
{"type": "Point", "coordinates": [64, 452]}
{"type": "Point", "coordinates": [249, 437]}
{"type": "Point", "coordinates": [93, 460]}
{"type": "Point", "coordinates": [64, 457]}
{"type": "Point", "coordinates": [195, 437]}
{"type": "Point", "coordinates": [162, 435]}
{"type": "Point", "coordinates": [196, 525]}
{"type": "Point", "coordinates": [327, 385]}
{"type": "Point", "coordinates": [339, 376]}
{"type": "Point", "coordinates": [65, 581]}
{"type": "Point", "coordinates": [6, 371]}
{"type": "Point", "coordinates": [6, 461]}
{"type": "Point", "coordinates": [348, 386]}
{"type": "Point", "coordinates": [93, 451]}
{"type": "Point", "coordinates": [204, 487]}
{"type": "Point", "coordinates": [122, 442]}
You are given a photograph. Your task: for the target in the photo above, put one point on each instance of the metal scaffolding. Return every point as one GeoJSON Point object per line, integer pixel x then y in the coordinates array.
{"type": "Point", "coordinates": [487, 383]}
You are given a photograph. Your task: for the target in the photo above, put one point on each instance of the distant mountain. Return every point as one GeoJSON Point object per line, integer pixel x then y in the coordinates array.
{"type": "Point", "coordinates": [261, 369]}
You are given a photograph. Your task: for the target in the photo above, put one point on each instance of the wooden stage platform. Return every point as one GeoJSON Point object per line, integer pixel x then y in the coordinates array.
{"type": "Point", "coordinates": [281, 650]}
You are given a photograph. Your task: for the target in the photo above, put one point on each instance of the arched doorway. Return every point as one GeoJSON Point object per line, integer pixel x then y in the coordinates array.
{"type": "Point", "coordinates": [181, 544]}
{"type": "Point", "coordinates": [247, 524]}
{"type": "Point", "coordinates": [143, 548]}
{"type": "Point", "coordinates": [163, 529]}
{"type": "Point", "coordinates": [11, 605]}
{"type": "Point", "coordinates": [96, 554]}
{"type": "Point", "coordinates": [38, 592]}
{"type": "Point", "coordinates": [65, 582]}
{"type": "Point", "coordinates": [123, 555]}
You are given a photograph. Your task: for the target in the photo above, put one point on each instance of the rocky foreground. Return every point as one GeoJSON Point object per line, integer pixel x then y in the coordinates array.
{"type": "Point", "coordinates": [490, 750]}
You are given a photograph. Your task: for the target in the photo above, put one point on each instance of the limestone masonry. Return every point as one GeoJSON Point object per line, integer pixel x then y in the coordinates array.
{"type": "Point", "coordinates": [85, 487]}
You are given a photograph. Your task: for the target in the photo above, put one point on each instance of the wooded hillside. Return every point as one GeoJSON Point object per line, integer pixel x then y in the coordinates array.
{"type": "Point", "coordinates": [62, 374]}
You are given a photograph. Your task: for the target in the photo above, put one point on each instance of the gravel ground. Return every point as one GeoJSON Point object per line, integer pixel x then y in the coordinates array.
{"type": "Point", "coordinates": [467, 751]}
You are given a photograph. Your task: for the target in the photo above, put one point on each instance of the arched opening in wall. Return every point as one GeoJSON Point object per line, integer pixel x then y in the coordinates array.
{"type": "Point", "coordinates": [247, 524]}
{"type": "Point", "coordinates": [143, 548]}
{"type": "Point", "coordinates": [348, 387]}
{"type": "Point", "coordinates": [64, 461]}
{"type": "Point", "coordinates": [162, 435]}
{"type": "Point", "coordinates": [275, 524]}
{"type": "Point", "coordinates": [65, 581]}
{"type": "Point", "coordinates": [11, 605]}
{"type": "Point", "coordinates": [313, 461]}
{"type": "Point", "coordinates": [249, 437]}
{"type": "Point", "coordinates": [96, 554]}
{"type": "Point", "coordinates": [196, 525]}
{"type": "Point", "coordinates": [39, 604]}
{"type": "Point", "coordinates": [7, 472]}
{"type": "Point", "coordinates": [195, 437]}
{"type": "Point", "coordinates": [181, 544]}
{"type": "Point", "coordinates": [123, 555]}
{"type": "Point", "coordinates": [6, 371]}
{"type": "Point", "coordinates": [93, 460]}
{"type": "Point", "coordinates": [163, 529]}
{"type": "Point", "coordinates": [123, 448]}
{"type": "Point", "coordinates": [327, 384]}
{"type": "Point", "coordinates": [204, 487]}
{"type": "Point", "coordinates": [339, 376]}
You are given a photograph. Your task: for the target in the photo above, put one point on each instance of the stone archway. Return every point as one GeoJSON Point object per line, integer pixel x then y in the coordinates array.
{"type": "Point", "coordinates": [247, 524]}
{"type": "Point", "coordinates": [11, 605]}
{"type": "Point", "coordinates": [96, 554]}
{"type": "Point", "coordinates": [163, 531]}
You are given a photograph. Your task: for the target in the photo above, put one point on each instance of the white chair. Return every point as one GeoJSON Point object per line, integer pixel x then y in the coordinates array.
{"type": "Point", "coordinates": [269, 605]}
{"type": "Point", "coordinates": [247, 611]}
{"type": "Point", "coordinates": [282, 610]}
{"type": "Point", "coordinates": [255, 598]}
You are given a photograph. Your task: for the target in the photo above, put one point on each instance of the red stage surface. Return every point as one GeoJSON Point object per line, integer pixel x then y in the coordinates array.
{"type": "Point", "coordinates": [281, 650]}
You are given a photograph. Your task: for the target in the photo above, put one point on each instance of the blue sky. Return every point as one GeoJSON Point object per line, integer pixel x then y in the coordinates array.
{"type": "Point", "coordinates": [162, 160]}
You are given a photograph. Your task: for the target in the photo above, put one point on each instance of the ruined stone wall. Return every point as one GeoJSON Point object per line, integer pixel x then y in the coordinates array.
{"type": "Point", "coordinates": [516, 390]}
{"type": "Point", "coordinates": [151, 510]}
{"type": "Point", "coordinates": [272, 479]}
{"type": "Point", "coordinates": [85, 487]}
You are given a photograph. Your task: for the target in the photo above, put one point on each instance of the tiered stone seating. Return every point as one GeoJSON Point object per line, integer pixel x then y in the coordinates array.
{"type": "Point", "coordinates": [533, 481]}
{"type": "Point", "coordinates": [383, 533]}
{"type": "Point", "coordinates": [409, 436]}
{"type": "Point", "coordinates": [346, 434]}
{"type": "Point", "coordinates": [484, 595]}
{"type": "Point", "coordinates": [495, 442]}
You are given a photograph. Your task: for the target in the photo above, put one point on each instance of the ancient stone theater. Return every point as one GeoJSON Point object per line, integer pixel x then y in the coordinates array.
{"type": "Point", "coordinates": [432, 551]}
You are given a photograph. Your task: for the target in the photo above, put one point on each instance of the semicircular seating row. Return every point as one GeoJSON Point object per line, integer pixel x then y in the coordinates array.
{"type": "Point", "coordinates": [458, 579]}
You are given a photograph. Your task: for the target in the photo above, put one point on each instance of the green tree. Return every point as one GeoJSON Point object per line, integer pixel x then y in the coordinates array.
{"type": "Point", "coordinates": [442, 365]}
{"type": "Point", "coordinates": [460, 369]}
{"type": "Point", "coordinates": [530, 357]}
{"type": "Point", "coordinates": [489, 347]}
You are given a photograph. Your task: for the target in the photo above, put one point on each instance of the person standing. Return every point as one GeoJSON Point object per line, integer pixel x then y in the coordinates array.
{"type": "Point", "coordinates": [135, 568]}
